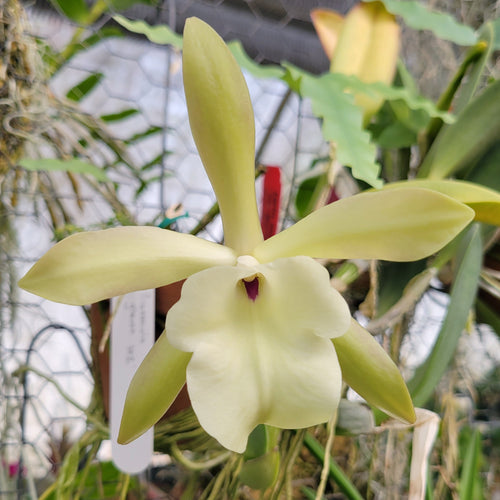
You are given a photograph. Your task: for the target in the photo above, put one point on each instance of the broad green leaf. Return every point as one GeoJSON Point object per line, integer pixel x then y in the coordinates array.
{"type": "Point", "coordinates": [161, 34]}
{"type": "Point", "coordinates": [485, 202]}
{"type": "Point", "coordinates": [354, 418]}
{"type": "Point", "coordinates": [393, 277]}
{"type": "Point", "coordinates": [261, 458]}
{"type": "Point", "coordinates": [116, 117]}
{"type": "Point", "coordinates": [463, 293]}
{"type": "Point", "coordinates": [396, 136]}
{"type": "Point", "coordinates": [369, 370]}
{"type": "Point", "coordinates": [486, 171]}
{"type": "Point", "coordinates": [78, 92]}
{"type": "Point", "coordinates": [390, 93]}
{"type": "Point", "coordinates": [417, 16]}
{"type": "Point", "coordinates": [308, 194]}
{"type": "Point", "coordinates": [470, 483]}
{"type": "Point", "coordinates": [342, 122]}
{"type": "Point", "coordinates": [223, 127]}
{"type": "Point", "coordinates": [75, 10]}
{"type": "Point", "coordinates": [248, 64]}
{"type": "Point", "coordinates": [88, 267]}
{"type": "Point", "coordinates": [73, 165]}
{"type": "Point", "coordinates": [261, 472]}
{"type": "Point", "coordinates": [153, 389]}
{"type": "Point", "coordinates": [460, 144]}
{"type": "Point", "coordinates": [395, 224]}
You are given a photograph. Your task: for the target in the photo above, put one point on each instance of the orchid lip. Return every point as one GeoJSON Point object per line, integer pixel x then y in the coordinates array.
{"type": "Point", "coordinates": [252, 287]}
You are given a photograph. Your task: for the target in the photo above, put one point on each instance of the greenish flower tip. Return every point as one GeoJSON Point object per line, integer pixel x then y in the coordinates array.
{"type": "Point", "coordinates": [259, 334]}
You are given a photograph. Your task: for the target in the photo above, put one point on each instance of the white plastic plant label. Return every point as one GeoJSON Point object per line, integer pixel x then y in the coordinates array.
{"type": "Point", "coordinates": [132, 336]}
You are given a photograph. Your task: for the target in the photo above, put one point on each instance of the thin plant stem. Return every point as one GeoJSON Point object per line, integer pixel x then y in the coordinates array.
{"type": "Point", "coordinates": [335, 472]}
{"type": "Point", "coordinates": [326, 461]}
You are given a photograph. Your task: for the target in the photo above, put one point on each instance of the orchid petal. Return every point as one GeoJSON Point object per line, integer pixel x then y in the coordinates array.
{"type": "Point", "coordinates": [369, 370]}
{"type": "Point", "coordinates": [328, 26]}
{"type": "Point", "coordinates": [88, 267]}
{"type": "Point", "coordinates": [484, 201]}
{"type": "Point", "coordinates": [263, 358]}
{"type": "Point", "coordinates": [397, 225]}
{"type": "Point", "coordinates": [222, 123]}
{"type": "Point", "coordinates": [153, 389]}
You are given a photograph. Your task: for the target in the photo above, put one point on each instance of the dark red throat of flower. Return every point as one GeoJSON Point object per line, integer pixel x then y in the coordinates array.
{"type": "Point", "coordinates": [252, 288]}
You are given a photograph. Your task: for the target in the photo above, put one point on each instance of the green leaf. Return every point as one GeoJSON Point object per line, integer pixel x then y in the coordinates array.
{"type": "Point", "coordinates": [248, 64]}
{"type": "Point", "coordinates": [75, 10]}
{"type": "Point", "coordinates": [463, 293]}
{"type": "Point", "coordinates": [78, 92]}
{"type": "Point", "coordinates": [261, 459]}
{"type": "Point", "coordinates": [161, 34]}
{"type": "Point", "coordinates": [354, 418]}
{"type": "Point", "coordinates": [390, 93]}
{"type": "Point", "coordinates": [67, 475]}
{"type": "Point", "coordinates": [496, 33]}
{"type": "Point", "coordinates": [416, 15]}
{"type": "Point", "coordinates": [126, 4]}
{"type": "Point", "coordinates": [475, 76]}
{"type": "Point", "coordinates": [396, 136]}
{"type": "Point", "coordinates": [470, 482]}
{"type": "Point", "coordinates": [334, 471]}
{"type": "Point", "coordinates": [485, 171]}
{"type": "Point", "coordinates": [342, 123]}
{"type": "Point", "coordinates": [154, 129]}
{"type": "Point", "coordinates": [73, 165]}
{"type": "Point", "coordinates": [460, 144]}
{"type": "Point", "coordinates": [115, 117]}
{"type": "Point", "coordinates": [308, 194]}
{"type": "Point", "coordinates": [94, 39]}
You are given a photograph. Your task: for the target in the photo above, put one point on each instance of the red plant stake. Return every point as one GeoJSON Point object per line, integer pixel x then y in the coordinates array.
{"type": "Point", "coordinates": [271, 199]}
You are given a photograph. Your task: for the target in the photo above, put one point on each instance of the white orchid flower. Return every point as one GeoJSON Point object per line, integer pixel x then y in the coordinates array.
{"type": "Point", "coordinates": [252, 332]}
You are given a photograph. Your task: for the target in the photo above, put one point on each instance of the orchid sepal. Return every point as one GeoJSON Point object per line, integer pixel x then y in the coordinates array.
{"type": "Point", "coordinates": [153, 389]}
{"type": "Point", "coordinates": [484, 201]}
{"type": "Point", "coordinates": [398, 225]}
{"type": "Point", "coordinates": [369, 370]}
{"type": "Point", "coordinates": [88, 267]}
{"type": "Point", "coordinates": [222, 122]}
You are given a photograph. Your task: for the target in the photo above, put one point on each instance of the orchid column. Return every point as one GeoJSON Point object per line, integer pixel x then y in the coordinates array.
{"type": "Point", "coordinates": [259, 334]}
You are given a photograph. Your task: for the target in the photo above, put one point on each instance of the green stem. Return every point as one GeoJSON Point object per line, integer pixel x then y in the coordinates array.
{"type": "Point", "coordinates": [444, 102]}
{"type": "Point", "coordinates": [335, 472]}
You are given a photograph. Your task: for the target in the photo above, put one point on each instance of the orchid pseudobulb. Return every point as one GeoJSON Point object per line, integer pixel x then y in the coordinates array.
{"type": "Point", "coordinates": [259, 334]}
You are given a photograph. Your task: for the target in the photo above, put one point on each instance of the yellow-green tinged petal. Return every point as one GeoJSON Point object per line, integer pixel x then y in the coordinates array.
{"type": "Point", "coordinates": [484, 201]}
{"type": "Point", "coordinates": [327, 24]}
{"type": "Point", "coordinates": [369, 370]}
{"type": "Point", "coordinates": [397, 225]}
{"type": "Point", "coordinates": [222, 123]}
{"type": "Point", "coordinates": [263, 361]}
{"type": "Point", "coordinates": [367, 47]}
{"type": "Point", "coordinates": [153, 389]}
{"type": "Point", "coordinates": [88, 267]}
